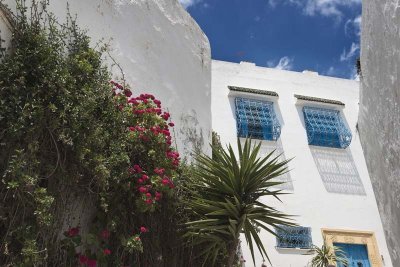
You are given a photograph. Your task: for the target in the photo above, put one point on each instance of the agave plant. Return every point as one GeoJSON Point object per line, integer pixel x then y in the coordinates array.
{"type": "Point", "coordinates": [326, 255]}
{"type": "Point", "coordinates": [227, 198]}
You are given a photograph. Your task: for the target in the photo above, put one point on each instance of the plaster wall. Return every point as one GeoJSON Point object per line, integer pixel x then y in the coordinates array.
{"type": "Point", "coordinates": [161, 50]}
{"type": "Point", "coordinates": [379, 117]}
{"type": "Point", "coordinates": [331, 188]}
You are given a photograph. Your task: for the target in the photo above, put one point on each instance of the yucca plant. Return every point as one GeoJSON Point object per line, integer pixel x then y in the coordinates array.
{"type": "Point", "coordinates": [326, 255]}
{"type": "Point", "coordinates": [227, 198]}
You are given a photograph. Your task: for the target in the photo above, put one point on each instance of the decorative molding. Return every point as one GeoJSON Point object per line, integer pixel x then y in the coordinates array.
{"type": "Point", "coordinates": [355, 237]}
{"type": "Point", "coordinates": [252, 91]}
{"type": "Point", "coordinates": [320, 100]}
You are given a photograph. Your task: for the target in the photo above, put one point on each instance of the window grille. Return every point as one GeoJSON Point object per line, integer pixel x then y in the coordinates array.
{"type": "Point", "coordinates": [256, 119]}
{"type": "Point", "coordinates": [325, 127]}
{"type": "Point", "coordinates": [293, 237]}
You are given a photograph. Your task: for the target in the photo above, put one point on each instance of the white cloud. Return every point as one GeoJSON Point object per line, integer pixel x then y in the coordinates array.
{"type": "Point", "coordinates": [272, 3]}
{"type": "Point", "coordinates": [188, 3]}
{"type": "Point", "coordinates": [345, 56]}
{"type": "Point", "coordinates": [331, 71]}
{"type": "Point", "coordinates": [353, 26]}
{"type": "Point", "coordinates": [357, 25]}
{"type": "Point", "coordinates": [328, 8]}
{"type": "Point", "coordinates": [285, 63]}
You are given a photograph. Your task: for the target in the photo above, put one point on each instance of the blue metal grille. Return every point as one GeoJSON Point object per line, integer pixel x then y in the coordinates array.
{"type": "Point", "coordinates": [325, 127]}
{"type": "Point", "coordinates": [293, 237]}
{"type": "Point", "coordinates": [256, 119]}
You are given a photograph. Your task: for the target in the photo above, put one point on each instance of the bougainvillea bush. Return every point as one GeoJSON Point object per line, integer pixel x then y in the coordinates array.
{"type": "Point", "coordinates": [89, 175]}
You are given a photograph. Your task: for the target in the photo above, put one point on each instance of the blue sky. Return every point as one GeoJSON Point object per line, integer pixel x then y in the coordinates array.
{"type": "Point", "coordinates": [318, 35]}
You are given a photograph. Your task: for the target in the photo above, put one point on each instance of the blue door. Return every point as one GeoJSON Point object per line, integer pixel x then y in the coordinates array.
{"type": "Point", "coordinates": [357, 255]}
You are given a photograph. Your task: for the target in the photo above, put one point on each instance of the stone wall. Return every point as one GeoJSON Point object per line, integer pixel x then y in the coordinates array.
{"type": "Point", "coordinates": [161, 50]}
{"type": "Point", "coordinates": [379, 117]}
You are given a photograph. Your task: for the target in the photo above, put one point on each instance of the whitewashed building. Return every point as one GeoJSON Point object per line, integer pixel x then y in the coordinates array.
{"type": "Point", "coordinates": [160, 49]}
{"type": "Point", "coordinates": [312, 119]}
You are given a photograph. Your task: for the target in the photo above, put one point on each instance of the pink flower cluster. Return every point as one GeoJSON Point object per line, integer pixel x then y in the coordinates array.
{"type": "Point", "coordinates": [149, 124]}
{"type": "Point", "coordinates": [144, 184]}
{"type": "Point", "coordinates": [72, 232]}
{"type": "Point", "coordinates": [85, 261]}
{"type": "Point", "coordinates": [174, 156]}
{"type": "Point", "coordinates": [118, 88]}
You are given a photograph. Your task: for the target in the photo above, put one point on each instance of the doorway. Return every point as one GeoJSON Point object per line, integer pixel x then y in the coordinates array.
{"type": "Point", "coordinates": [357, 255]}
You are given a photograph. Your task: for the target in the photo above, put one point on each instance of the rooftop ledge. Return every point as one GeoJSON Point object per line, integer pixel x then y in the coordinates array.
{"type": "Point", "coordinates": [320, 100]}
{"type": "Point", "coordinates": [252, 91]}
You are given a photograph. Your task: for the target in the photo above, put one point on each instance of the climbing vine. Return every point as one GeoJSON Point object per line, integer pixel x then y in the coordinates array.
{"type": "Point", "coordinates": [88, 170]}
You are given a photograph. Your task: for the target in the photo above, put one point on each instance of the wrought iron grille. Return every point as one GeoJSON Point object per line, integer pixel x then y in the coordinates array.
{"type": "Point", "coordinates": [325, 127]}
{"type": "Point", "coordinates": [293, 237]}
{"type": "Point", "coordinates": [256, 119]}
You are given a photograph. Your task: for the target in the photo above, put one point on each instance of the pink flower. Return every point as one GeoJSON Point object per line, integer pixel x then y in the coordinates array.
{"type": "Point", "coordinates": [148, 195]}
{"type": "Point", "coordinates": [158, 196]}
{"type": "Point", "coordinates": [144, 137]}
{"type": "Point", "coordinates": [149, 201]}
{"type": "Point", "coordinates": [159, 171]}
{"type": "Point", "coordinates": [127, 92]}
{"type": "Point", "coordinates": [165, 116]}
{"type": "Point", "coordinates": [143, 229]}
{"type": "Point", "coordinates": [133, 101]}
{"type": "Point", "coordinates": [142, 189]}
{"type": "Point", "coordinates": [105, 234]}
{"type": "Point", "coordinates": [166, 132]}
{"type": "Point", "coordinates": [171, 124]}
{"type": "Point", "coordinates": [165, 181]}
{"type": "Point", "coordinates": [107, 251]}
{"type": "Point", "coordinates": [91, 263]}
{"type": "Point", "coordinates": [137, 168]}
{"type": "Point", "coordinates": [71, 232]}
{"type": "Point", "coordinates": [83, 259]}
{"type": "Point", "coordinates": [140, 181]}
{"type": "Point", "coordinates": [132, 129]}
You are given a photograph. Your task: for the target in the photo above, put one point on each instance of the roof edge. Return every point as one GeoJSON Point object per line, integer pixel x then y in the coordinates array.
{"type": "Point", "coordinates": [252, 91]}
{"type": "Point", "coordinates": [320, 100]}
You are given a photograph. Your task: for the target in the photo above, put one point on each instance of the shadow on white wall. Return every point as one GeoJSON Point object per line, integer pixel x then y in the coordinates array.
{"type": "Point", "coordinates": [266, 148]}
{"type": "Point", "coordinates": [338, 170]}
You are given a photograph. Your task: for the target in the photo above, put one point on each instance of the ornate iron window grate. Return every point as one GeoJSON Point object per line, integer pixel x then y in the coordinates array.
{"type": "Point", "coordinates": [256, 119]}
{"type": "Point", "coordinates": [325, 127]}
{"type": "Point", "coordinates": [293, 237]}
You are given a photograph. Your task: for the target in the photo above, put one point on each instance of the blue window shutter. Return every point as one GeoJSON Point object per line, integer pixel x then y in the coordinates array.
{"type": "Point", "coordinates": [293, 237]}
{"type": "Point", "coordinates": [325, 127]}
{"type": "Point", "coordinates": [256, 119]}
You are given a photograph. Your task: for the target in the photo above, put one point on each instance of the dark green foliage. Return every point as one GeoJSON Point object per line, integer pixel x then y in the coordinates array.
{"type": "Point", "coordinates": [65, 151]}
{"type": "Point", "coordinates": [59, 129]}
{"type": "Point", "coordinates": [326, 255]}
{"type": "Point", "coordinates": [227, 199]}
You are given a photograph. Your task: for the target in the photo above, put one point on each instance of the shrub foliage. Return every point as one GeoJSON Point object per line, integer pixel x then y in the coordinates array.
{"type": "Point", "coordinates": [88, 171]}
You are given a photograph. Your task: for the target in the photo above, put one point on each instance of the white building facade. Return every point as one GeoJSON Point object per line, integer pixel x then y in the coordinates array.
{"type": "Point", "coordinates": [161, 50]}
{"type": "Point", "coordinates": [312, 119]}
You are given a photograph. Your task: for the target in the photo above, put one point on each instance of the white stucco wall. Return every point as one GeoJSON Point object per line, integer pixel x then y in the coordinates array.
{"type": "Point", "coordinates": [379, 119]}
{"type": "Point", "coordinates": [161, 50]}
{"type": "Point", "coordinates": [318, 203]}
